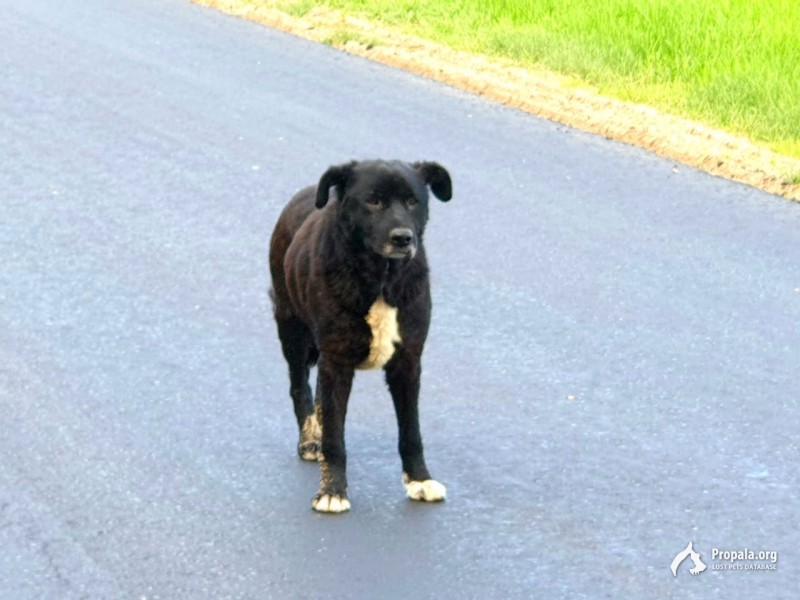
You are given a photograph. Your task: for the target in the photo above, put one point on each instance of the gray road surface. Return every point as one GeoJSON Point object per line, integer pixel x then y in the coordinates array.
{"type": "Point", "coordinates": [612, 370]}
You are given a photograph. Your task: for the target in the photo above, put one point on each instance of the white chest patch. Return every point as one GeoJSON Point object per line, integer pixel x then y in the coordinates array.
{"type": "Point", "coordinates": [382, 320]}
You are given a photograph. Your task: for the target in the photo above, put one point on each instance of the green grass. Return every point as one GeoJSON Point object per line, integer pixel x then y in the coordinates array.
{"type": "Point", "coordinates": [732, 63]}
{"type": "Point", "coordinates": [340, 38]}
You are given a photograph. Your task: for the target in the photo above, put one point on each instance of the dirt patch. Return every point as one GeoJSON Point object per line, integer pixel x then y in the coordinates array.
{"type": "Point", "coordinates": [543, 94]}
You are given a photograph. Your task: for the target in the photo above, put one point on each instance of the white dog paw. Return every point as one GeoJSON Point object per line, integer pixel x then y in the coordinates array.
{"type": "Point", "coordinates": [429, 490]}
{"type": "Point", "coordinates": [330, 503]}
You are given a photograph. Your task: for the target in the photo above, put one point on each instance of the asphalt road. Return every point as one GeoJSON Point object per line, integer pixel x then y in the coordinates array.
{"type": "Point", "coordinates": [612, 370]}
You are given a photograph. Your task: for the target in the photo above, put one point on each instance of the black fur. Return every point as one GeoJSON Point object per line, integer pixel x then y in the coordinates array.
{"type": "Point", "coordinates": [335, 249]}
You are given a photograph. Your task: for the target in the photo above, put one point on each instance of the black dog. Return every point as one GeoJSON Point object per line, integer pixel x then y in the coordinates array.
{"type": "Point", "coordinates": [350, 287]}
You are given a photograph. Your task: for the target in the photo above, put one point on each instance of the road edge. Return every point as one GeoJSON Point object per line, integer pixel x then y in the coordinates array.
{"type": "Point", "coordinates": [543, 94]}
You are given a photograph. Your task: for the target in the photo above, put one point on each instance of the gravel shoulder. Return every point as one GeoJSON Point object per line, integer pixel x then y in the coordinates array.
{"type": "Point", "coordinates": [543, 94]}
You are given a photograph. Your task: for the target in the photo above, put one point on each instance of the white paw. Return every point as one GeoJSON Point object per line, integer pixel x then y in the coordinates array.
{"type": "Point", "coordinates": [327, 503]}
{"type": "Point", "coordinates": [429, 490]}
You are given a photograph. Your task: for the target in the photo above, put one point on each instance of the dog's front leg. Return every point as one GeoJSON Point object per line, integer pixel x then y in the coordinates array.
{"type": "Point", "coordinates": [333, 389]}
{"type": "Point", "coordinates": [403, 378]}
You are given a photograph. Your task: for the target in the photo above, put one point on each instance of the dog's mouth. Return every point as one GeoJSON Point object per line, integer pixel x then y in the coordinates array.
{"type": "Point", "coordinates": [402, 243]}
{"type": "Point", "coordinates": [392, 251]}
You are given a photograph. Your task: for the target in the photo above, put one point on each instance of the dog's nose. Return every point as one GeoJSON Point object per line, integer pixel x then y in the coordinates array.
{"type": "Point", "coordinates": [401, 237]}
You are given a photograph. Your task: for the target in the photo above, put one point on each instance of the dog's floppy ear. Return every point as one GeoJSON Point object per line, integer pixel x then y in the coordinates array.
{"type": "Point", "coordinates": [334, 176]}
{"type": "Point", "coordinates": [437, 177]}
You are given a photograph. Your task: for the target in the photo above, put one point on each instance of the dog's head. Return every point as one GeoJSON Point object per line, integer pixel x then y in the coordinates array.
{"type": "Point", "coordinates": [383, 205]}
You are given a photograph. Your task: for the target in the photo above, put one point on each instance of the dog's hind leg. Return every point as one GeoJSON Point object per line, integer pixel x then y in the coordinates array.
{"type": "Point", "coordinates": [402, 376]}
{"type": "Point", "coordinates": [300, 353]}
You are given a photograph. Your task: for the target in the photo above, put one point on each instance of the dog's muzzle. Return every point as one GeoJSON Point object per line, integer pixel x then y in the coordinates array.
{"type": "Point", "coordinates": [401, 244]}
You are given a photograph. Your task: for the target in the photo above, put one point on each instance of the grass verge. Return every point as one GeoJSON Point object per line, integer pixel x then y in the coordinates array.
{"type": "Point", "coordinates": [734, 64]}
{"type": "Point", "coordinates": [533, 89]}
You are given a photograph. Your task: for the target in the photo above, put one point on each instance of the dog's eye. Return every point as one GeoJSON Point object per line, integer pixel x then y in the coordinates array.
{"type": "Point", "coordinates": [373, 201]}
{"type": "Point", "coordinates": [411, 201]}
